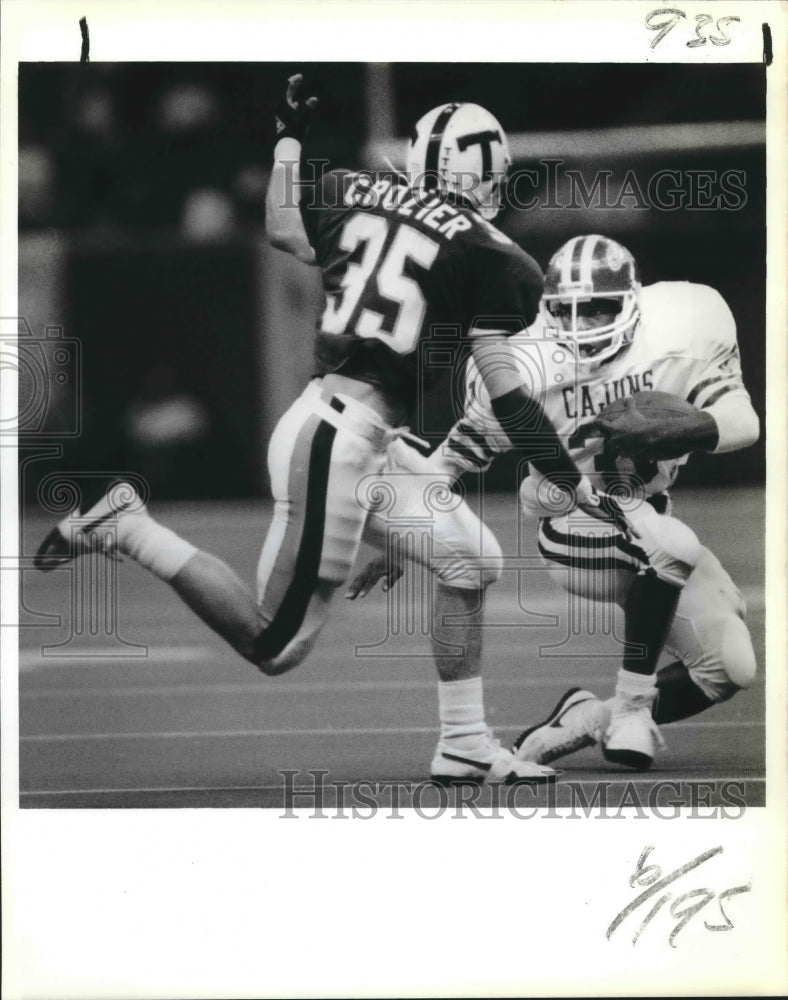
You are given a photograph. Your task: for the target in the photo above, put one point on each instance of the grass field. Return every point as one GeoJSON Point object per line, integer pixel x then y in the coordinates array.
{"type": "Point", "coordinates": [153, 710]}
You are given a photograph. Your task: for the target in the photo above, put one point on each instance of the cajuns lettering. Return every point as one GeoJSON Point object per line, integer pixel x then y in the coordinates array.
{"type": "Point", "coordinates": [589, 400]}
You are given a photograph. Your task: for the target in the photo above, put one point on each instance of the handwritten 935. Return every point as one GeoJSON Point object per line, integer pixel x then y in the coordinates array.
{"type": "Point", "coordinates": [684, 907]}
{"type": "Point", "coordinates": [664, 19]}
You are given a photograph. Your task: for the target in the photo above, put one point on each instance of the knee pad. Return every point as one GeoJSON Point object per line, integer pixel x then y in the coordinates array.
{"type": "Point", "coordinates": [672, 547]}
{"type": "Point", "coordinates": [740, 664]}
{"type": "Point", "coordinates": [729, 665]}
{"type": "Point", "coordinates": [709, 634]}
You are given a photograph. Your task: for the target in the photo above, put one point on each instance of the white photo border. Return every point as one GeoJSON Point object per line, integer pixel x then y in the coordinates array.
{"type": "Point", "coordinates": [235, 902]}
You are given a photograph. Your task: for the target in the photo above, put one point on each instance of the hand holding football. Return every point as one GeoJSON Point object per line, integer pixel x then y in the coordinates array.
{"type": "Point", "coordinates": [652, 424]}
{"type": "Point", "coordinates": [651, 404]}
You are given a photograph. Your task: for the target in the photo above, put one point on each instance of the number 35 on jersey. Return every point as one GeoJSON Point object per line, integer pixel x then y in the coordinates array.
{"type": "Point", "coordinates": [381, 276]}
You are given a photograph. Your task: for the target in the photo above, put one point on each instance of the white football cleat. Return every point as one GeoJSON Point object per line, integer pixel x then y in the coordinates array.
{"type": "Point", "coordinates": [95, 531]}
{"type": "Point", "coordinates": [561, 733]}
{"type": "Point", "coordinates": [632, 738]}
{"type": "Point", "coordinates": [482, 759]}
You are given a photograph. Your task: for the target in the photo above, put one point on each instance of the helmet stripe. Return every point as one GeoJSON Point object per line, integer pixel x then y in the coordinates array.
{"type": "Point", "coordinates": [585, 275]}
{"type": "Point", "coordinates": [566, 263]}
{"type": "Point", "coordinates": [575, 274]}
{"type": "Point", "coordinates": [434, 143]}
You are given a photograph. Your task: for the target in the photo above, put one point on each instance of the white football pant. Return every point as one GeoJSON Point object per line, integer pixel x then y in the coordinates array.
{"type": "Point", "coordinates": [321, 450]}
{"type": "Point", "coordinates": [709, 635]}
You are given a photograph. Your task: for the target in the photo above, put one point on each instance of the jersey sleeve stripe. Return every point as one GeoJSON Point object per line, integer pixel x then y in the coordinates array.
{"type": "Point", "coordinates": [703, 385]}
{"type": "Point", "coordinates": [722, 391]}
{"type": "Point", "coordinates": [718, 389]}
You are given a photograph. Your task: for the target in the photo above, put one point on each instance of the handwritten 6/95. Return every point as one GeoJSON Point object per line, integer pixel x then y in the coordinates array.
{"type": "Point", "coordinates": [665, 19]}
{"type": "Point", "coordinates": [684, 907]}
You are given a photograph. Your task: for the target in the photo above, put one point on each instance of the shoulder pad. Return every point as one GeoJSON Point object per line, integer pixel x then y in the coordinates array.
{"type": "Point", "coordinates": [685, 317]}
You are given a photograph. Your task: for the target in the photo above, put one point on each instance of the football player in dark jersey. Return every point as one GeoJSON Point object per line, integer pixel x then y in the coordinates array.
{"type": "Point", "coordinates": [398, 258]}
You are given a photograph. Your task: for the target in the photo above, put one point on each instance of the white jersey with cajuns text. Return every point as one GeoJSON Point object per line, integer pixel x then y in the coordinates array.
{"type": "Point", "coordinates": [685, 344]}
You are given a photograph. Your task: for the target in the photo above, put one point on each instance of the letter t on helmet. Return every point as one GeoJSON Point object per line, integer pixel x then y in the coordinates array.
{"type": "Point", "coordinates": [463, 149]}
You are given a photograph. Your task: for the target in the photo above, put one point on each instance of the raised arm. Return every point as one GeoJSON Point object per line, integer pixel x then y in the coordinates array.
{"type": "Point", "coordinates": [283, 223]}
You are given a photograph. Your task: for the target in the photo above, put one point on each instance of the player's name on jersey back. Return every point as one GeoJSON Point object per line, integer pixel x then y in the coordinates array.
{"type": "Point", "coordinates": [433, 209]}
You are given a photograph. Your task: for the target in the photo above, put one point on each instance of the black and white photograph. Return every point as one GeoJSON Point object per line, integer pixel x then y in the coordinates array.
{"type": "Point", "coordinates": [391, 442]}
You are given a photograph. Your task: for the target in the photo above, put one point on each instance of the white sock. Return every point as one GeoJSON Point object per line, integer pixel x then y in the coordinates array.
{"type": "Point", "coordinates": [629, 683]}
{"type": "Point", "coordinates": [634, 690]}
{"type": "Point", "coordinates": [153, 546]}
{"type": "Point", "coordinates": [461, 708]}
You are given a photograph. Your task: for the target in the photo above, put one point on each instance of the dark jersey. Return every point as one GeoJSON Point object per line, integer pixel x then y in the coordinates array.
{"type": "Point", "coordinates": [407, 278]}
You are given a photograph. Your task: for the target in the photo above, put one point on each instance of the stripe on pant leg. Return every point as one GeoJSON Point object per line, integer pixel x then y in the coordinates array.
{"type": "Point", "coordinates": [575, 539]}
{"type": "Point", "coordinates": [290, 614]}
{"type": "Point", "coordinates": [578, 541]}
{"type": "Point", "coordinates": [278, 579]}
{"type": "Point", "coordinates": [600, 553]}
{"type": "Point", "coordinates": [601, 564]}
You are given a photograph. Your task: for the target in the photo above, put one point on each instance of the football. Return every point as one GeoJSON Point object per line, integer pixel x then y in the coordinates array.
{"type": "Point", "coordinates": [652, 404]}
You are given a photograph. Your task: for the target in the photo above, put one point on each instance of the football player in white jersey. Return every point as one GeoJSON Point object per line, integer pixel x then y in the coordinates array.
{"type": "Point", "coordinates": [602, 337]}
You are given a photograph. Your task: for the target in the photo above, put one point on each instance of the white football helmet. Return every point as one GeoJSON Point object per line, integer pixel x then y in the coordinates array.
{"type": "Point", "coordinates": [598, 271]}
{"type": "Point", "coordinates": [464, 148]}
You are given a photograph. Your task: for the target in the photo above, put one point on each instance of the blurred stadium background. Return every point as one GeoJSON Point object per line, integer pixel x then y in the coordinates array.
{"type": "Point", "coordinates": [141, 234]}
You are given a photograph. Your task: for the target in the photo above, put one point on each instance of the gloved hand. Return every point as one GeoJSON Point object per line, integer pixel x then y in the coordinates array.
{"type": "Point", "coordinates": [295, 112]}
